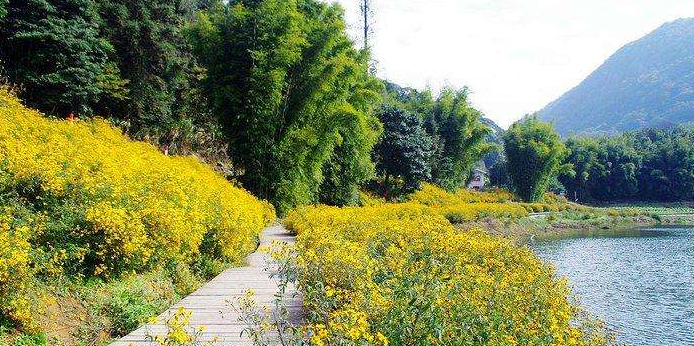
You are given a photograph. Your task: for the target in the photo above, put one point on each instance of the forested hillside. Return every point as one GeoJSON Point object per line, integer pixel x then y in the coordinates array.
{"type": "Point", "coordinates": [647, 83]}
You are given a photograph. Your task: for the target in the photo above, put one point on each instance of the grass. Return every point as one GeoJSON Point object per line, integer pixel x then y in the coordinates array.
{"type": "Point", "coordinates": [562, 224]}
{"type": "Point", "coordinates": [659, 209]}
{"type": "Point", "coordinates": [94, 312]}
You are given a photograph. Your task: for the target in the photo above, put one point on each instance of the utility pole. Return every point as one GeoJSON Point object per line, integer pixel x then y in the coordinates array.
{"type": "Point", "coordinates": [366, 7]}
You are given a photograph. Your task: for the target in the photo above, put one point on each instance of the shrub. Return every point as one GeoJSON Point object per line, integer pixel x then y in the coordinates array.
{"type": "Point", "coordinates": [397, 274]}
{"type": "Point", "coordinates": [475, 211]}
{"type": "Point", "coordinates": [431, 194]}
{"type": "Point", "coordinates": [106, 205]}
{"type": "Point", "coordinates": [15, 270]}
{"type": "Point", "coordinates": [135, 300]}
{"type": "Point", "coordinates": [465, 205]}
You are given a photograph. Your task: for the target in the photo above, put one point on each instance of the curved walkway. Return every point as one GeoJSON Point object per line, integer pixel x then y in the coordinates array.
{"type": "Point", "coordinates": [210, 305]}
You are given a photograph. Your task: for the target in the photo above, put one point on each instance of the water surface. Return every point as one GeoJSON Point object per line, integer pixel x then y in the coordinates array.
{"type": "Point", "coordinates": [640, 282]}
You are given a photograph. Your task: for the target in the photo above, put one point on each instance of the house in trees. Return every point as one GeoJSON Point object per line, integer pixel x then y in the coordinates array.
{"type": "Point", "coordinates": [480, 176]}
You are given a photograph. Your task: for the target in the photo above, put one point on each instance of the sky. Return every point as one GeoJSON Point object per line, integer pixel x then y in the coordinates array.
{"type": "Point", "coordinates": [515, 55]}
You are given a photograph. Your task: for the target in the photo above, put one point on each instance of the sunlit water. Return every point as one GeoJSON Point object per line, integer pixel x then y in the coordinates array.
{"type": "Point", "coordinates": [640, 282]}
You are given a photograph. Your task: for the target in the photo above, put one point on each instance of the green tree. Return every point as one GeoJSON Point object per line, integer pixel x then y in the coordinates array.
{"type": "Point", "coordinates": [667, 173]}
{"type": "Point", "coordinates": [403, 153]}
{"type": "Point", "coordinates": [535, 154]}
{"type": "Point", "coordinates": [288, 88]}
{"type": "Point", "coordinates": [420, 103]}
{"type": "Point", "coordinates": [652, 164]}
{"type": "Point", "coordinates": [583, 156]}
{"type": "Point", "coordinates": [459, 138]}
{"type": "Point", "coordinates": [3, 10]}
{"type": "Point", "coordinates": [152, 56]}
{"type": "Point", "coordinates": [350, 165]}
{"type": "Point", "coordinates": [498, 174]}
{"type": "Point", "coordinates": [53, 51]}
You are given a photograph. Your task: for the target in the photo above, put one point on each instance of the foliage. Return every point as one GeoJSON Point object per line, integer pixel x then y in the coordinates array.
{"type": "Point", "coordinates": [432, 195]}
{"type": "Point", "coordinates": [350, 164]}
{"type": "Point", "coordinates": [395, 274]}
{"type": "Point", "coordinates": [289, 88]}
{"type": "Point", "coordinates": [420, 103]}
{"type": "Point", "coordinates": [53, 51]}
{"type": "Point", "coordinates": [133, 301]}
{"type": "Point", "coordinates": [459, 138]}
{"type": "Point", "coordinates": [178, 332]}
{"type": "Point", "coordinates": [657, 209]}
{"type": "Point", "coordinates": [535, 155]}
{"type": "Point", "coordinates": [22, 340]}
{"type": "Point", "coordinates": [15, 269]}
{"type": "Point", "coordinates": [606, 169]}
{"type": "Point", "coordinates": [498, 174]}
{"type": "Point", "coordinates": [104, 205]}
{"type": "Point", "coordinates": [465, 205]}
{"type": "Point", "coordinates": [152, 56]}
{"type": "Point", "coordinates": [646, 165]}
{"type": "Point", "coordinates": [460, 135]}
{"type": "Point", "coordinates": [402, 154]}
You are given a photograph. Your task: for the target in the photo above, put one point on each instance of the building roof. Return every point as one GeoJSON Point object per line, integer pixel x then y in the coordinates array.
{"type": "Point", "coordinates": [480, 167]}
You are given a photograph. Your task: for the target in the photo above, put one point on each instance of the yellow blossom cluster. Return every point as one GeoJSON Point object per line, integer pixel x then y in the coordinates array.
{"type": "Point", "coordinates": [466, 205]}
{"type": "Point", "coordinates": [401, 274]}
{"type": "Point", "coordinates": [15, 269]}
{"type": "Point", "coordinates": [431, 194]}
{"type": "Point", "coordinates": [127, 206]}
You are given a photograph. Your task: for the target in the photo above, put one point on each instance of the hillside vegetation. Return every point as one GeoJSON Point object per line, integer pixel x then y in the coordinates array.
{"type": "Point", "coordinates": [647, 83]}
{"type": "Point", "coordinates": [80, 201]}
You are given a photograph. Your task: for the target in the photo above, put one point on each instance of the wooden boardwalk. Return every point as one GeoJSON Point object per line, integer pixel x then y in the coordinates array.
{"type": "Point", "coordinates": [210, 305]}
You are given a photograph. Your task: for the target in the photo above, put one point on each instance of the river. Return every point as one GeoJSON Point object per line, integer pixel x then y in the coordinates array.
{"type": "Point", "coordinates": [640, 282]}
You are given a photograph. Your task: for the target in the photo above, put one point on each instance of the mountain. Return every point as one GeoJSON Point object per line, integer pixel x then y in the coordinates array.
{"type": "Point", "coordinates": [497, 131]}
{"type": "Point", "coordinates": [647, 83]}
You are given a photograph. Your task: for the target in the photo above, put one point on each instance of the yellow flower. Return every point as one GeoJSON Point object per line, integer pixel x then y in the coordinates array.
{"type": "Point", "coordinates": [143, 208]}
{"type": "Point", "coordinates": [404, 265]}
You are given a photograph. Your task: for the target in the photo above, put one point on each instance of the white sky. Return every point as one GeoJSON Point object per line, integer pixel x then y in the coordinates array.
{"type": "Point", "coordinates": [515, 55]}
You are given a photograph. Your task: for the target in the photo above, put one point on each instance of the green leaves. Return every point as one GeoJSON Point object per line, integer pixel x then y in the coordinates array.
{"type": "Point", "coordinates": [152, 56]}
{"type": "Point", "coordinates": [535, 155]}
{"type": "Point", "coordinates": [459, 137]}
{"type": "Point", "coordinates": [403, 153]}
{"type": "Point", "coordinates": [646, 165]}
{"type": "Point", "coordinates": [457, 134]}
{"type": "Point", "coordinates": [54, 51]}
{"type": "Point", "coordinates": [294, 97]}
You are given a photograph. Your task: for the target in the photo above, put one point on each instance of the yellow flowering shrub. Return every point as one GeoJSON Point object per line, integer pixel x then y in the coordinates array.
{"type": "Point", "coordinates": [431, 194]}
{"type": "Point", "coordinates": [112, 205]}
{"type": "Point", "coordinates": [15, 271]}
{"type": "Point", "coordinates": [465, 205]}
{"type": "Point", "coordinates": [400, 274]}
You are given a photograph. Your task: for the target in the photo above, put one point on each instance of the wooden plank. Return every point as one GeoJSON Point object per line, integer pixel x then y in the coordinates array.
{"type": "Point", "coordinates": [211, 306]}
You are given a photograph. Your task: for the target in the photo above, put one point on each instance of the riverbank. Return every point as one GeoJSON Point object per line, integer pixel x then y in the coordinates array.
{"type": "Point", "coordinates": [563, 224]}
